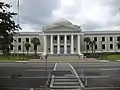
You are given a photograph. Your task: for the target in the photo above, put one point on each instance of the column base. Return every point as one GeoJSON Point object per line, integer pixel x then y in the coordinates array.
{"type": "Point", "coordinates": [72, 52]}
{"type": "Point", "coordinates": [51, 53]}
{"type": "Point", "coordinates": [65, 53]}
{"type": "Point", "coordinates": [58, 53]}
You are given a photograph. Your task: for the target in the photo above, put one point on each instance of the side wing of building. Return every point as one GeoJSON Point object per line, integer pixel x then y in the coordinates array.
{"type": "Point", "coordinates": [19, 42]}
{"type": "Point", "coordinates": [106, 41]}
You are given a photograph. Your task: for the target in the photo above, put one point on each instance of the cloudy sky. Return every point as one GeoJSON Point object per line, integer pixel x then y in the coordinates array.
{"type": "Point", "coordinates": [90, 14]}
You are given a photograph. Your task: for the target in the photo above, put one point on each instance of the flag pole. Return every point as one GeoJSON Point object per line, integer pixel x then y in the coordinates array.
{"type": "Point", "coordinates": [18, 28]}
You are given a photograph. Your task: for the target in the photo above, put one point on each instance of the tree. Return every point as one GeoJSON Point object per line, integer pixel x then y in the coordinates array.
{"type": "Point", "coordinates": [35, 42]}
{"type": "Point", "coordinates": [27, 46]}
{"type": "Point", "coordinates": [7, 27]}
{"type": "Point", "coordinates": [86, 40]}
{"type": "Point", "coordinates": [92, 45]}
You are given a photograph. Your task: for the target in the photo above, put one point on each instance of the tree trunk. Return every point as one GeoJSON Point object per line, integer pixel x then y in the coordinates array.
{"type": "Point", "coordinates": [27, 53]}
{"type": "Point", "coordinates": [92, 50]}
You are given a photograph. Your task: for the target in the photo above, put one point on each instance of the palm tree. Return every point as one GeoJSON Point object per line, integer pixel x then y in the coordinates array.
{"type": "Point", "coordinates": [27, 46]}
{"type": "Point", "coordinates": [86, 40]}
{"type": "Point", "coordinates": [117, 45]}
{"type": "Point", "coordinates": [35, 42]}
{"type": "Point", "coordinates": [92, 45]}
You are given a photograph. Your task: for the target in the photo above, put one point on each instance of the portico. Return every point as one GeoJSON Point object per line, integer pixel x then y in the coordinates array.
{"type": "Point", "coordinates": [62, 44]}
{"type": "Point", "coordinates": [62, 37]}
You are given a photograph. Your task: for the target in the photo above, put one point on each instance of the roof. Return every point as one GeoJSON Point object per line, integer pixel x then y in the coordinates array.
{"type": "Point", "coordinates": [62, 22]}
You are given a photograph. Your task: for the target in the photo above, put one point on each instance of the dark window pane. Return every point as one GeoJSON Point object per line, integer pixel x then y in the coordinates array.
{"type": "Point", "coordinates": [68, 37]}
{"type": "Point", "coordinates": [95, 38]}
{"type": "Point", "coordinates": [111, 46]}
{"type": "Point", "coordinates": [103, 38]}
{"type": "Point", "coordinates": [118, 46]}
{"type": "Point", "coordinates": [27, 39]}
{"type": "Point", "coordinates": [118, 38]}
{"type": "Point", "coordinates": [62, 37]}
{"type": "Point", "coordinates": [95, 46]}
{"type": "Point", "coordinates": [55, 37]}
{"type": "Point", "coordinates": [111, 38]}
{"type": "Point", "coordinates": [19, 39]}
{"type": "Point", "coordinates": [103, 46]}
{"type": "Point", "coordinates": [19, 47]}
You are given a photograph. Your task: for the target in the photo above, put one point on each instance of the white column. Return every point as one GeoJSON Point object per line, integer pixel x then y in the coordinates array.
{"type": "Point", "coordinates": [45, 44]}
{"type": "Point", "coordinates": [72, 46]}
{"type": "Point", "coordinates": [78, 44]}
{"type": "Point", "coordinates": [65, 44]}
{"type": "Point", "coordinates": [51, 44]}
{"type": "Point", "coordinates": [58, 44]}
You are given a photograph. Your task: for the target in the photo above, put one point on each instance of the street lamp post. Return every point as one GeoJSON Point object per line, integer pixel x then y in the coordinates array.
{"type": "Point", "coordinates": [23, 49]}
{"type": "Point", "coordinates": [46, 56]}
{"type": "Point", "coordinates": [101, 49]}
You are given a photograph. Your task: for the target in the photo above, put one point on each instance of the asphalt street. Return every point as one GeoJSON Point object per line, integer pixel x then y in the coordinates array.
{"type": "Point", "coordinates": [23, 76]}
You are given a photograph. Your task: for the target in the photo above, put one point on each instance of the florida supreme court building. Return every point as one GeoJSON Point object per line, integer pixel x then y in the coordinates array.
{"type": "Point", "coordinates": [63, 37]}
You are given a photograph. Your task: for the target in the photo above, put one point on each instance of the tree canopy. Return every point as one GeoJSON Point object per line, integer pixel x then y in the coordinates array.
{"type": "Point", "coordinates": [8, 27]}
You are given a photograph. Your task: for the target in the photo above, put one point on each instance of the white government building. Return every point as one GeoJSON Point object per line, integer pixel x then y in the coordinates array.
{"type": "Point", "coordinates": [63, 37]}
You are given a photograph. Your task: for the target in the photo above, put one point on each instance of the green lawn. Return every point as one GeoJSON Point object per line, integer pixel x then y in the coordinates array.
{"type": "Point", "coordinates": [111, 57]}
{"type": "Point", "coordinates": [13, 58]}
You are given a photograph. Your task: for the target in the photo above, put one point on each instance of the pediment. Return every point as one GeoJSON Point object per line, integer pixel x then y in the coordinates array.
{"type": "Point", "coordinates": [62, 28]}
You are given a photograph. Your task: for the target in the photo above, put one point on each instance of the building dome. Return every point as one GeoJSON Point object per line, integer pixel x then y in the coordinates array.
{"type": "Point", "coordinates": [62, 22]}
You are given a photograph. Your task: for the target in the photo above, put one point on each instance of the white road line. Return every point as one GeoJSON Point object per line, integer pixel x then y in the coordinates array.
{"type": "Point", "coordinates": [81, 84]}
{"type": "Point", "coordinates": [55, 66]}
{"type": "Point", "coordinates": [21, 61]}
{"type": "Point", "coordinates": [110, 69]}
{"type": "Point", "coordinates": [52, 79]}
{"type": "Point", "coordinates": [104, 61]}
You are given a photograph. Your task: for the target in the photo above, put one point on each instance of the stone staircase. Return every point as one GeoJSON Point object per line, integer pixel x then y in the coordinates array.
{"type": "Point", "coordinates": [65, 84]}
{"type": "Point", "coordinates": [64, 79]}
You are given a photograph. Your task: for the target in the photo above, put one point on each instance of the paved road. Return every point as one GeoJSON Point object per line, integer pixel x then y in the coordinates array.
{"type": "Point", "coordinates": [35, 75]}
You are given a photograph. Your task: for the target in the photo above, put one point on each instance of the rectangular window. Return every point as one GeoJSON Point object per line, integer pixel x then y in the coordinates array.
{"type": "Point", "coordinates": [19, 47]}
{"type": "Point", "coordinates": [27, 39]}
{"type": "Point", "coordinates": [118, 46]}
{"type": "Point", "coordinates": [19, 39]}
{"type": "Point", "coordinates": [103, 38]}
{"type": "Point", "coordinates": [103, 46]}
{"type": "Point", "coordinates": [68, 37]}
{"type": "Point", "coordinates": [62, 38]}
{"type": "Point", "coordinates": [55, 37]}
{"type": "Point", "coordinates": [111, 46]}
{"type": "Point", "coordinates": [118, 38]}
{"type": "Point", "coordinates": [11, 47]}
{"type": "Point", "coordinates": [87, 46]}
{"type": "Point", "coordinates": [95, 38]}
{"type": "Point", "coordinates": [95, 46]}
{"type": "Point", "coordinates": [111, 38]}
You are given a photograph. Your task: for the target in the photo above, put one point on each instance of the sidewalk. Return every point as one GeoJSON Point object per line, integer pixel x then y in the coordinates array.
{"type": "Point", "coordinates": [61, 59]}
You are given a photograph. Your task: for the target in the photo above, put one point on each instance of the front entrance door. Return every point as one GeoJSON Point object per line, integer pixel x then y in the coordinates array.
{"type": "Point", "coordinates": [61, 49]}
{"type": "Point", "coordinates": [68, 50]}
{"type": "Point", "coordinates": [55, 49]}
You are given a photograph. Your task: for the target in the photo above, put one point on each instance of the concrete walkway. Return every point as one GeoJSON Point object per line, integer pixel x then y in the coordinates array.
{"type": "Point", "coordinates": [65, 78]}
{"type": "Point", "coordinates": [65, 59]}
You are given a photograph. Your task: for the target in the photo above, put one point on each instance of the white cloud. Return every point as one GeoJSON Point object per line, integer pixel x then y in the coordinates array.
{"type": "Point", "coordinates": [82, 11]}
{"type": "Point", "coordinates": [90, 14]}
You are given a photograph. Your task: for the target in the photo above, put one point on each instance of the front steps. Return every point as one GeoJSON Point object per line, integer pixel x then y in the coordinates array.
{"type": "Point", "coordinates": [64, 78]}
